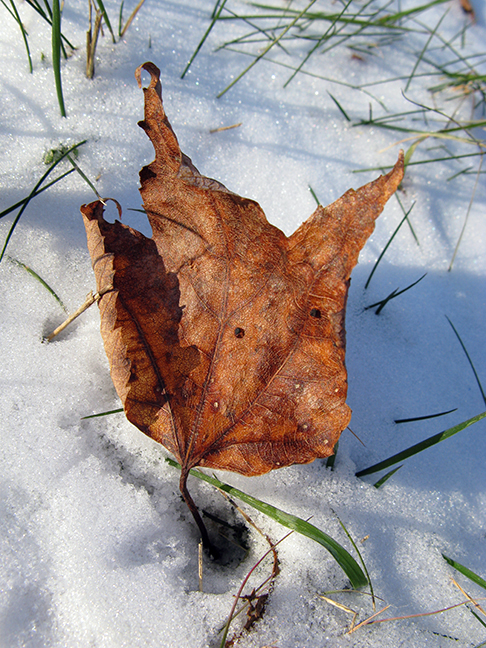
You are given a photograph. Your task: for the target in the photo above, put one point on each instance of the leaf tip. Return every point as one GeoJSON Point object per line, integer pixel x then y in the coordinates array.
{"type": "Point", "coordinates": [154, 72]}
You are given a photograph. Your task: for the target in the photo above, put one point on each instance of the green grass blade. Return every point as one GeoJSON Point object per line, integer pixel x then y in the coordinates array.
{"type": "Point", "coordinates": [216, 7]}
{"type": "Point", "coordinates": [465, 571]}
{"type": "Point", "coordinates": [314, 195]}
{"type": "Point", "coordinates": [411, 150]}
{"type": "Point", "coordinates": [387, 19]}
{"type": "Point", "coordinates": [386, 477]}
{"type": "Point", "coordinates": [56, 53]}
{"type": "Point", "coordinates": [120, 19]}
{"type": "Point", "coordinates": [84, 176]}
{"type": "Point", "coordinates": [48, 18]}
{"type": "Point", "coordinates": [419, 447]}
{"type": "Point", "coordinates": [115, 411]}
{"type": "Point", "coordinates": [408, 219]}
{"type": "Point", "coordinates": [214, 17]}
{"type": "Point", "coordinates": [351, 568]}
{"type": "Point", "coordinates": [34, 274]}
{"type": "Point", "coordinates": [387, 246]}
{"type": "Point", "coordinates": [424, 418]}
{"type": "Point", "coordinates": [340, 108]}
{"type": "Point", "coordinates": [331, 460]}
{"type": "Point", "coordinates": [104, 13]}
{"type": "Point", "coordinates": [476, 615]}
{"type": "Point", "coordinates": [416, 162]}
{"type": "Point", "coordinates": [361, 560]}
{"type": "Point", "coordinates": [381, 304]}
{"type": "Point", "coordinates": [13, 12]}
{"type": "Point", "coordinates": [422, 53]}
{"type": "Point", "coordinates": [469, 360]}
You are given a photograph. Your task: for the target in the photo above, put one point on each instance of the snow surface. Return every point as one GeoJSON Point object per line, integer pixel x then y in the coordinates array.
{"type": "Point", "coordinates": [96, 547]}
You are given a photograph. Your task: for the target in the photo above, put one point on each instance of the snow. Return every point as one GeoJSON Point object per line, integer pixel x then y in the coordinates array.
{"type": "Point", "coordinates": [96, 546]}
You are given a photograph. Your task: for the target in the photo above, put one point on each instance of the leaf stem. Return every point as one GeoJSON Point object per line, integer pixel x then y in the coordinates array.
{"type": "Point", "coordinates": [195, 513]}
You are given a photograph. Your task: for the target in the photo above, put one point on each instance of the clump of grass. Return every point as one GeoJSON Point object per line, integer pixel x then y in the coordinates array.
{"type": "Point", "coordinates": [295, 39]}
{"type": "Point", "coordinates": [92, 35]}
{"type": "Point", "coordinates": [51, 13]}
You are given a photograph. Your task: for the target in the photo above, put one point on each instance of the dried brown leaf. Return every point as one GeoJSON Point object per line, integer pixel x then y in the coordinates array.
{"type": "Point", "coordinates": [226, 338]}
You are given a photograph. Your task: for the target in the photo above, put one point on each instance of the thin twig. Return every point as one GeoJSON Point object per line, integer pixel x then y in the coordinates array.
{"type": "Point", "coordinates": [200, 565]}
{"type": "Point", "coordinates": [89, 301]}
{"type": "Point", "coordinates": [224, 128]}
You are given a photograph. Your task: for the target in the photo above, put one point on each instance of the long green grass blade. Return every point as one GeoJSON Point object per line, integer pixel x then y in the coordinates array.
{"type": "Point", "coordinates": [465, 571]}
{"type": "Point", "coordinates": [419, 447]}
{"type": "Point", "coordinates": [120, 19]}
{"type": "Point", "coordinates": [469, 360]}
{"type": "Point", "coordinates": [56, 53]}
{"type": "Point", "coordinates": [104, 13]}
{"type": "Point", "coordinates": [115, 411]}
{"type": "Point", "coordinates": [424, 418]}
{"type": "Point", "coordinates": [34, 274]}
{"type": "Point", "coordinates": [351, 568]}
{"type": "Point", "coordinates": [381, 304]}
{"type": "Point", "coordinates": [361, 560]}
{"type": "Point", "coordinates": [382, 254]}
{"type": "Point", "coordinates": [416, 162]}
{"type": "Point", "coordinates": [386, 477]}
{"type": "Point", "coordinates": [387, 19]}
{"type": "Point", "coordinates": [84, 176]}
{"type": "Point", "coordinates": [48, 18]}
{"type": "Point", "coordinates": [340, 108]}
{"type": "Point", "coordinates": [13, 12]}
{"type": "Point", "coordinates": [214, 17]}
{"type": "Point", "coordinates": [314, 195]}
{"type": "Point", "coordinates": [409, 223]}
{"type": "Point", "coordinates": [123, 28]}
{"type": "Point", "coordinates": [421, 55]}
